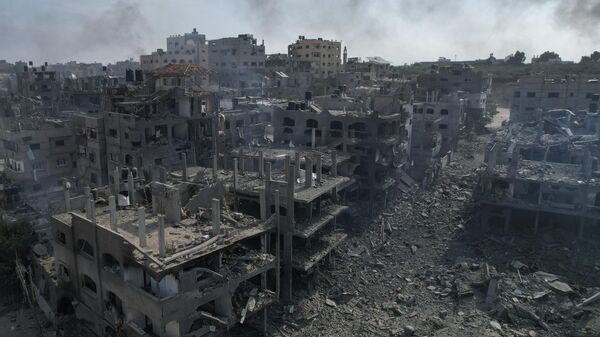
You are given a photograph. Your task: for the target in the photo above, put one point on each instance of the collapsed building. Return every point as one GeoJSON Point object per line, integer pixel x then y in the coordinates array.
{"type": "Point", "coordinates": [375, 132]}
{"type": "Point", "coordinates": [543, 172]}
{"type": "Point", "coordinates": [195, 252]}
{"type": "Point", "coordinates": [153, 125]}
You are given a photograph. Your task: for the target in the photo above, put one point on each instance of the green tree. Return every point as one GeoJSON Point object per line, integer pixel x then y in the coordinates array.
{"type": "Point", "coordinates": [517, 58]}
{"type": "Point", "coordinates": [15, 238]}
{"type": "Point", "coordinates": [594, 57]}
{"type": "Point", "coordinates": [547, 56]}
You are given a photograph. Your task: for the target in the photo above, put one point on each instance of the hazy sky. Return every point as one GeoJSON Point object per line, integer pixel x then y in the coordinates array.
{"type": "Point", "coordinates": [402, 31]}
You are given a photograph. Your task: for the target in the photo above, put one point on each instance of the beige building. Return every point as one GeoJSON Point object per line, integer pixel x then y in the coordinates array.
{"type": "Point", "coordinates": [324, 55]}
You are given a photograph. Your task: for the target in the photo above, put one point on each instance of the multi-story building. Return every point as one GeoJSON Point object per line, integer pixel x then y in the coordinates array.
{"type": "Point", "coordinates": [287, 77]}
{"type": "Point", "coordinates": [189, 48]}
{"type": "Point", "coordinates": [324, 56]}
{"type": "Point", "coordinates": [435, 133]}
{"type": "Point", "coordinates": [238, 62]}
{"type": "Point", "coordinates": [375, 132]}
{"type": "Point", "coordinates": [90, 138]}
{"type": "Point", "coordinates": [38, 153]}
{"type": "Point", "coordinates": [535, 95]}
{"type": "Point", "coordinates": [42, 85]}
{"type": "Point", "coordinates": [448, 79]}
{"type": "Point", "coordinates": [172, 114]}
{"type": "Point", "coordinates": [368, 69]}
{"type": "Point", "coordinates": [149, 270]}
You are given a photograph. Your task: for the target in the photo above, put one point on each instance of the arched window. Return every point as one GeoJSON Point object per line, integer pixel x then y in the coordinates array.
{"type": "Point", "coordinates": [312, 123]}
{"type": "Point", "coordinates": [88, 283]}
{"type": "Point", "coordinates": [85, 247]}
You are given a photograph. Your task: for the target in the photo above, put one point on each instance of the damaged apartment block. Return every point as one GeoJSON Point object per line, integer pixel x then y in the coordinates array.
{"type": "Point", "coordinates": [175, 261]}
{"type": "Point", "coordinates": [544, 173]}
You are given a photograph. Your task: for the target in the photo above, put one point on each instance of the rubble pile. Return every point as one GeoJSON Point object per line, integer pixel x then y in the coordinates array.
{"type": "Point", "coordinates": [422, 267]}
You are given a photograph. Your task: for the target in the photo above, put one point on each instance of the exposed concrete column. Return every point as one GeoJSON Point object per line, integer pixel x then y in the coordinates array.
{"type": "Point", "coordinates": [161, 236]}
{"type": "Point", "coordinates": [131, 188]}
{"type": "Point", "coordinates": [313, 138]}
{"type": "Point", "coordinates": [319, 167]}
{"type": "Point", "coordinates": [112, 205]}
{"type": "Point", "coordinates": [277, 243]}
{"type": "Point", "coordinates": [87, 192]}
{"type": "Point", "coordinates": [155, 204]}
{"type": "Point", "coordinates": [215, 168]}
{"type": "Point", "coordinates": [88, 207]}
{"type": "Point", "coordinates": [141, 213]}
{"type": "Point", "coordinates": [117, 180]}
{"type": "Point", "coordinates": [241, 156]}
{"type": "Point", "coordinates": [216, 216]}
{"type": "Point", "coordinates": [92, 216]}
{"type": "Point", "coordinates": [268, 183]}
{"type": "Point", "coordinates": [67, 194]}
{"type": "Point", "coordinates": [297, 165]}
{"type": "Point", "coordinates": [261, 164]}
{"type": "Point", "coordinates": [173, 205]}
{"type": "Point", "coordinates": [262, 198]}
{"type": "Point", "coordinates": [185, 167]}
{"type": "Point", "coordinates": [333, 169]}
{"type": "Point", "coordinates": [308, 172]}
{"type": "Point", "coordinates": [288, 229]}
{"type": "Point", "coordinates": [492, 158]}
{"type": "Point", "coordinates": [286, 164]}
{"type": "Point", "coordinates": [235, 174]}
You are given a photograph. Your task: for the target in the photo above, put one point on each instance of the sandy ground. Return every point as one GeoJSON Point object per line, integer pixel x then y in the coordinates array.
{"type": "Point", "coordinates": [503, 114]}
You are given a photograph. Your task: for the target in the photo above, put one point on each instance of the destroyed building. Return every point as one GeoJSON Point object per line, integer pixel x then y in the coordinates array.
{"type": "Point", "coordinates": [536, 94]}
{"type": "Point", "coordinates": [375, 132]}
{"type": "Point", "coordinates": [148, 270]}
{"type": "Point", "coordinates": [42, 85]}
{"type": "Point", "coordinates": [152, 125]}
{"type": "Point", "coordinates": [38, 152]}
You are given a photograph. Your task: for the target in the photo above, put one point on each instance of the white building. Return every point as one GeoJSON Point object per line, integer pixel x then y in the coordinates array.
{"type": "Point", "coordinates": [189, 48]}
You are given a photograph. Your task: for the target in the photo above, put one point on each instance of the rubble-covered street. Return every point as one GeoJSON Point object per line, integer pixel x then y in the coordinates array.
{"type": "Point", "coordinates": [436, 274]}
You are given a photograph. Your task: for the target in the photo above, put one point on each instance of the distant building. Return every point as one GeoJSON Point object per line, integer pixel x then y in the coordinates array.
{"type": "Point", "coordinates": [537, 94]}
{"type": "Point", "coordinates": [189, 48]}
{"type": "Point", "coordinates": [324, 55]}
{"type": "Point", "coordinates": [238, 62]}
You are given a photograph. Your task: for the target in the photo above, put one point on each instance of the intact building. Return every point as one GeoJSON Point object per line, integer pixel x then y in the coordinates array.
{"type": "Point", "coordinates": [324, 55]}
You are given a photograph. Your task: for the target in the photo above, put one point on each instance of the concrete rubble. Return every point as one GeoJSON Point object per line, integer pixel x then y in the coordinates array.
{"type": "Point", "coordinates": [188, 199]}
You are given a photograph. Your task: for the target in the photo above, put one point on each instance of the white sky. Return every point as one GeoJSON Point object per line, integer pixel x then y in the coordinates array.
{"type": "Point", "coordinates": [401, 31]}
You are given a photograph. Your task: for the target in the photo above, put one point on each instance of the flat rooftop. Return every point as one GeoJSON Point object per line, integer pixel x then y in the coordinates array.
{"type": "Point", "coordinates": [188, 239]}
{"type": "Point", "coordinates": [559, 173]}
{"type": "Point", "coordinates": [279, 153]}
